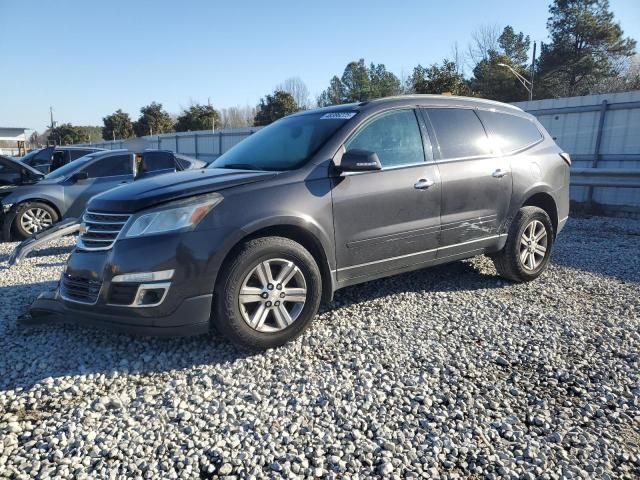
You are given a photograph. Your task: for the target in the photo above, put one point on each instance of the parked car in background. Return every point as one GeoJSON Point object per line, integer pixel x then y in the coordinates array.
{"type": "Point", "coordinates": [65, 192]}
{"type": "Point", "coordinates": [314, 202]}
{"type": "Point", "coordinates": [50, 158]}
{"type": "Point", "coordinates": [13, 172]}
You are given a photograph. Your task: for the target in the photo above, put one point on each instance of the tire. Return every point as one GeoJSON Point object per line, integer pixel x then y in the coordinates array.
{"type": "Point", "coordinates": [242, 318]}
{"type": "Point", "coordinates": [33, 217]}
{"type": "Point", "coordinates": [522, 259]}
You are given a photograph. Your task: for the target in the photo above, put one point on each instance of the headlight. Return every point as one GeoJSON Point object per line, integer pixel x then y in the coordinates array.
{"type": "Point", "coordinates": [179, 216]}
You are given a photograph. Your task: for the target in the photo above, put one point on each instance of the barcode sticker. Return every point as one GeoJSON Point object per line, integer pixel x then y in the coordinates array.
{"type": "Point", "coordinates": [338, 116]}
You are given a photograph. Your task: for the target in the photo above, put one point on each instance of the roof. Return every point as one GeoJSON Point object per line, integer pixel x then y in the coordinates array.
{"type": "Point", "coordinates": [422, 99]}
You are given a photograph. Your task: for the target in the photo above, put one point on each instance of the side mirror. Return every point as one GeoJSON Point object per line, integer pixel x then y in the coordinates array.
{"type": "Point", "coordinates": [76, 177]}
{"type": "Point", "coordinates": [357, 160]}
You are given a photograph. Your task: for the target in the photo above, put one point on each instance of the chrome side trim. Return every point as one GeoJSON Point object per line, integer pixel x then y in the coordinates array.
{"type": "Point", "coordinates": [400, 257]}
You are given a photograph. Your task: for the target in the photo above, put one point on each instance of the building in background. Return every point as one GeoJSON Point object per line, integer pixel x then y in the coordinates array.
{"type": "Point", "coordinates": [13, 141]}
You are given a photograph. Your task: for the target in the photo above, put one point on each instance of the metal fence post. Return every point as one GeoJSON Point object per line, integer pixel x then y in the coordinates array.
{"type": "Point", "coordinates": [596, 152]}
{"type": "Point", "coordinates": [195, 144]}
{"type": "Point", "coordinates": [219, 143]}
{"type": "Point", "coordinates": [177, 144]}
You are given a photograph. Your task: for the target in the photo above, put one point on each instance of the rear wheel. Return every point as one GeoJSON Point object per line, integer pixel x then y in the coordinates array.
{"type": "Point", "coordinates": [33, 217]}
{"type": "Point", "coordinates": [268, 293]}
{"type": "Point", "coordinates": [528, 248]}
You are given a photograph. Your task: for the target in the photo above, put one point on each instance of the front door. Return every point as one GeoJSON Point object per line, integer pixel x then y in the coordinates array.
{"type": "Point", "coordinates": [476, 182]}
{"type": "Point", "coordinates": [103, 174]}
{"type": "Point", "coordinates": [389, 219]}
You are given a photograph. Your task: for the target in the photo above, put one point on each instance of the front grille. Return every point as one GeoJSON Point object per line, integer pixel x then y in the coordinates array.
{"type": "Point", "coordinates": [122, 293]}
{"type": "Point", "coordinates": [79, 289]}
{"type": "Point", "coordinates": [101, 230]}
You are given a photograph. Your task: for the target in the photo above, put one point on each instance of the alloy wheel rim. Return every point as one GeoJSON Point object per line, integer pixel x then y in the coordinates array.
{"type": "Point", "coordinates": [272, 295]}
{"type": "Point", "coordinates": [35, 220]}
{"type": "Point", "coordinates": [533, 245]}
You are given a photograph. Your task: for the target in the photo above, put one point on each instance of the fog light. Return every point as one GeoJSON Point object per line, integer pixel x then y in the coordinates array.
{"type": "Point", "coordinates": [151, 294]}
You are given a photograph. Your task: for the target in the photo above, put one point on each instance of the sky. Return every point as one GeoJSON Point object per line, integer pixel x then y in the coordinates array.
{"type": "Point", "coordinates": [87, 58]}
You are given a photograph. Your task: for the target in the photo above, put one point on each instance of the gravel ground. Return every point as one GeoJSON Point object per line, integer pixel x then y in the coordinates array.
{"type": "Point", "coordinates": [448, 372]}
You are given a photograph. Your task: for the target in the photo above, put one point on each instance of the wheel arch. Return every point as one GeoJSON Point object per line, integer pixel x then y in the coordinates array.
{"type": "Point", "coordinates": [11, 216]}
{"type": "Point", "coordinates": [546, 202]}
{"type": "Point", "coordinates": [296, 232]}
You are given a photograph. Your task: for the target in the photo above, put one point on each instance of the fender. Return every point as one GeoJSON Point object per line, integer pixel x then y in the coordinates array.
{"type": "Point", "coordinates": [304, 223]}
{"type": "Point", "coordinates": [517, 202]}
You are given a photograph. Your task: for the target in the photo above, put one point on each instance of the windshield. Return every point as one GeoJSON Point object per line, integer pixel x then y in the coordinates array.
{"type": "Point", "coordinates": [30, 155]}
{"type": "Point", "coordinates": [70, 167]}
{"type": "Point", "coordinates": [284, 145]}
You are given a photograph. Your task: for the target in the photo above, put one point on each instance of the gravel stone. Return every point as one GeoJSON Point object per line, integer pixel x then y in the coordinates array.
{"type": "Point", "coordinates": [449, 372]}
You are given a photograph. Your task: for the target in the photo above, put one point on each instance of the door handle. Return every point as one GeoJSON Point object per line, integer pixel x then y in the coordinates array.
{"type": "Point", "coordinates": [499, 173]}
{"type": "Point", "coordinates": [423, 184]}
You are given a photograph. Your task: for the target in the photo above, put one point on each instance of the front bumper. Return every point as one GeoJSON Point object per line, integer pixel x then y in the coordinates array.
{"type": "Point", "coordinates": [186, 320]}
{"type": "Point", "coordinates": [195, 257]}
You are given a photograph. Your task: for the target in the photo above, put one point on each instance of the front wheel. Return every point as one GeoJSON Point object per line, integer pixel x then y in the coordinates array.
{"type": "Point", "coordinates": [528, 248]}
{"type": "Point", "coordinates": [33, 217]}
{"type": "Point", "coordinates": [268, 293]}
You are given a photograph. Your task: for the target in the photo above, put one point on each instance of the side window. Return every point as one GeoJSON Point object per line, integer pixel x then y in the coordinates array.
{"type": "Point", "coordinates": [459, 132]}
{"type": "Point", "coordinates": [510, 132]}
{"type": "Point", "coordinates": [394, 136]}
{"type": "Point", "coordinates": [111, 166]}
{"type": "Point", "coordinates": [73, 154]}
{"type": "Point", "coordinates": [154, 161]}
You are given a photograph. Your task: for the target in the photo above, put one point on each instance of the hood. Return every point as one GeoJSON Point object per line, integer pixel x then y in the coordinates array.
{"type": "Point", "coordinates": [32, 175]}
{"type": "Point", "coordinates": [164, 188]}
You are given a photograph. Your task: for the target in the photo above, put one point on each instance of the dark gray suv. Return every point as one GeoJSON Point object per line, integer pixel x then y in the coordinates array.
{"type": "Point", "coordinates": [315, 202]}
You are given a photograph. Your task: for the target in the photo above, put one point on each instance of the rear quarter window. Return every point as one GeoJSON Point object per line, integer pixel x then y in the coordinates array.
{"type": "Point", "coordinates": [459, 133]}
{"type": "Point", "coordinates": [510, 132]}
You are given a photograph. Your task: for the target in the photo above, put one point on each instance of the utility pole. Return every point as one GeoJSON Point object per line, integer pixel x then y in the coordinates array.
{"type": "Point", "coordinates": [52, 126]}
{"type": "Point", "coordinates": [533, 71]}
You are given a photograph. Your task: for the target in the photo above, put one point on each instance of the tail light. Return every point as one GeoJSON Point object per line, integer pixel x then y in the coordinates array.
{"type": "Point", "coordinates": [566, 157]}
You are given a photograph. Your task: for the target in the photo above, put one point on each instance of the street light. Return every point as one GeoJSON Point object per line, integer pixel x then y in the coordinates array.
{"type": "Point", "coordinates": [528, 84]}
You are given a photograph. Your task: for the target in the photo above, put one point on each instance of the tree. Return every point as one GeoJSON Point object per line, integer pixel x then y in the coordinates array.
{"type": "Point", "coordinates": [333, 95]}
{"type": "Point", "coordinates": [586, 47]}
{"type": "Point", "coordinates": [359, 83]}
{"type": "Point", "coordinates": [153, 120]}
{"type": "Point", "coordinates": [484, 40]}
{"type": "Point", "coordinates": [494, 81]}
{"type": "Point", "coordinates": [66, 134]}
{"type": "Point", "coordinates": [627, 80]}
{"type": "Point", "coordinates": [273, 107]}
{"type": "Point", "coordinates": [383, 82]}
{"type": "Point", "coordinates": [237, 117]}
{"type": "Point", "coordinates": [198, 117]}
{"type": "Point", "coordinates": [117, 125]}
{"type": "Point", "coordinates": [438, 79]}
{"type": "Point", "coordinates": [356, 82]}
{"type": "Point", "coordinates": [514, 45]}
{"type": "Point", "coordinates": [298, 90]}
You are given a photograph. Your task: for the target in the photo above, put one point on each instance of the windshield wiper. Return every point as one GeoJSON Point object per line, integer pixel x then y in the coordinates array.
{"type": "Point", "coordinates": [240, 166]}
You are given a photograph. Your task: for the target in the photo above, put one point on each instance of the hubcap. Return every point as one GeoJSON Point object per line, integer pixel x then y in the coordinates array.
{"type": "Point", "coordinates": [272, 295]}
{"type": "Point", "coordinates": [533, 245]}
{"type": "Point", "coordinates": [35, 220]}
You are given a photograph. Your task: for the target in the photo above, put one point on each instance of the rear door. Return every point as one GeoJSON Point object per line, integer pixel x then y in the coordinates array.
{"type": "Point", "coordinates": [389, 219]}
{"type": "Point", "coordinates": [103, 174]}
{"type": "Point", "coordinates": [476, 181]}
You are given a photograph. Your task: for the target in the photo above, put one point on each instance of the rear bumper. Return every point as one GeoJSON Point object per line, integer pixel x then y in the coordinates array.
{"type": "Point", "coordinates": [190, 318]}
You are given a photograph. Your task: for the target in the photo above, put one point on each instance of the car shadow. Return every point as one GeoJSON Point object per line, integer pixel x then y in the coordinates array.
{"type": "Point", "coordinates": [36, 351]}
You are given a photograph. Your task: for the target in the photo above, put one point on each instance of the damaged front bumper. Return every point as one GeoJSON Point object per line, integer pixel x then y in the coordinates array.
{"type": "Point", "coordinates": [59, 230]}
